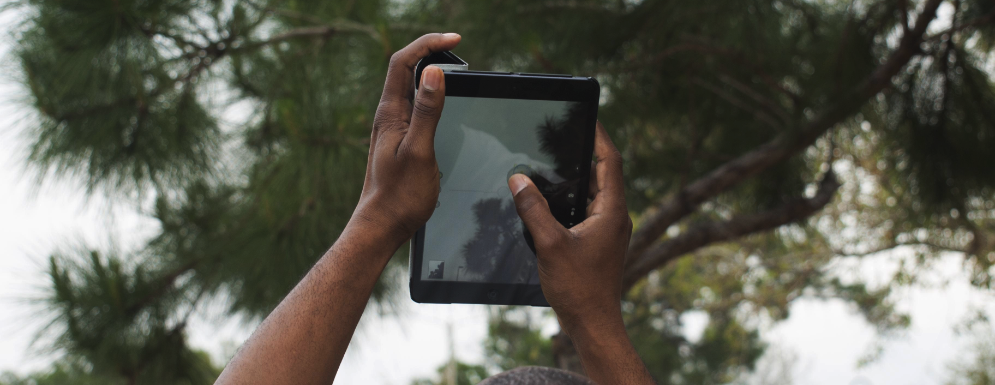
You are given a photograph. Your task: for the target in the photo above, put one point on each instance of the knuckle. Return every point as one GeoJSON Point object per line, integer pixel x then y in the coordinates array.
{"type": "Point", "coordinates": [426, 108]}
{"type": "Point", "coordinates": [548, 240]}
{"type": "Point", "coordinates": [386, 125]}
{"type": "Point", "coordinates": [386, 113]}
{"type": "Point", "coordinates": [424, 40]}
{"type": "Point", "coordinates": [620, 218]}
{"type": "Point", "coordinates": [381, 113]}
{"type": "Point", "coordinates": [422, 158]}
{"type": "Point", "coordinates": [614, 158]}
{"type": "Point", "coordinates": [395, 60]}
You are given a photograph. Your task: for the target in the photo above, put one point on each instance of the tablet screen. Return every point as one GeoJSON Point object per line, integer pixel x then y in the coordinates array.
{"type": "Point", "coordinates": [475, 234]}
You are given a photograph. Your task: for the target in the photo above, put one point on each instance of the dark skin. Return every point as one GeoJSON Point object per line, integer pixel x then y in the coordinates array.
{"type": "Point", "coordinates": [304, 339]}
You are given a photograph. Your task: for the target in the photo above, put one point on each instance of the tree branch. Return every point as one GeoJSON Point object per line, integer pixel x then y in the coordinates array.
{"type": "Point", "coordinates": [711, 232]}
{"type": "Point", "coordinates": [216, 50]}
{"type": "Point", "coordinates": [894, 245]}
{"type": "Point", "coordinates": [318, 31]}
{"type": "Point", "coordinates": [565, 5]}
{"type": "Point", "coordinates": [783, 146]}
{"type": "Point", "coordinates": [989, 18]}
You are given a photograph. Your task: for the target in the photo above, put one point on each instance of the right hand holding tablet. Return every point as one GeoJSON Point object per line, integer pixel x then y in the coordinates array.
{"type": "Point", "coordinates": [581, 268]}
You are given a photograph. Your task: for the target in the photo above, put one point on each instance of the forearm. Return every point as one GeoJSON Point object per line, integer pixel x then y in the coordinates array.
{"type": "Point", "coordinates": [303, 340]}
{"type": "Point", "coordinates": [606, 352]}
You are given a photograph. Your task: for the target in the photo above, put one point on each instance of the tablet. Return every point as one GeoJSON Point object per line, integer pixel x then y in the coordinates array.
{"type": "Point", "coordinates": [475, 248]}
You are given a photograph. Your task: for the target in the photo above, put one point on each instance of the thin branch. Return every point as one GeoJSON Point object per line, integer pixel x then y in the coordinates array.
{"type": "Point", "coordinates": [703, 234]}
{"type": "Point", "coordinates": [165, 286]}
{"type": "Point", "coordinates": [894, 245]}
{"type": "Point", "coordinates": [760, 115]}
{"type": "Point", "coordinates": [217, 50]}
{"type": "Point", "coordinates": [686, 200]}
{"type": "Point", "coordinates": [291, 14]}
{"type": "Point", "coordinates": [685, 47]}
{"type": "Point", "coordinates": [757, 97]}
{"type": "Point", "coordinates": [704, 46]}
{"type": "Point", "coordinates": [323, 31]}
{"type": "Point", "coordinates": [565, 5]}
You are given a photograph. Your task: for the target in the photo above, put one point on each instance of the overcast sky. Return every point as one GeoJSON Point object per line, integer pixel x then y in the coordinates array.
{"type": "Point", "coordinates": [823, 339]}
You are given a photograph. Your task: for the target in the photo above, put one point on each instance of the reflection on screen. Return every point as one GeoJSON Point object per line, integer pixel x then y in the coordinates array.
{"type": "Point", "coordinates": [475, 234]}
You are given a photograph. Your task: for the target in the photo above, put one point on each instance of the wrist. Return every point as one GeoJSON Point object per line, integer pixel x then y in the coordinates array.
{"type": "Point", "coordinates": [597, 340]}
{"type": "Point", "coordinates": [592, 322]}
{"type": "Point", "coordinates": [589, 308]}
{"type": "Point", "coordinates": [606, 352]}
{"type": "Point", "coordinates": [373, 234]}
{"type": "Point", "coordinates": [372, 223]}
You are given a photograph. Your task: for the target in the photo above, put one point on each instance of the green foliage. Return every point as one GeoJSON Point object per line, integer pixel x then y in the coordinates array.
{"type": "Point", "coordinates": [466, 374]}
{"type": "Point", "coordinates": [75, 371]}
{"type": "Point", "coordinates": [979, 369]}
{"type": "Point", "coordinates": [514, 340]}
{"type": "Point", "coordinates": [734, 287]}
{"type": "Point", "coordinates": [62, 372]}
{"type": "Point", "coordinates": [120, 321]}
{"type": "Point", "coordinates": [131, 96]}
{"type": "Point", "coordinates": [110, 105]}
{"type": "Point", "coordinates": [945, 121]}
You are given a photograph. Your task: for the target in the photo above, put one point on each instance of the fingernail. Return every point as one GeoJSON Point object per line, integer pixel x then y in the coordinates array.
{"type": "Point", "coordinates": [431, 77]}
{"type": "Point", "coordinates": [517, 183]}
{"type": "Point", "coordinates": [450, 35]}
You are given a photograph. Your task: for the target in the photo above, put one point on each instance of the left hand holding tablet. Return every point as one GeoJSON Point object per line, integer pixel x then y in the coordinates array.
{"type": "Point", "coordinates": [402, 178]}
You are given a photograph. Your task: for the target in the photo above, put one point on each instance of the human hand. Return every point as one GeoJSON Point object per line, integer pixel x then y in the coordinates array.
{"type": "Point", "coordinates": [581, 268]}
{"type": "Point", "coordinates": [402, 177]}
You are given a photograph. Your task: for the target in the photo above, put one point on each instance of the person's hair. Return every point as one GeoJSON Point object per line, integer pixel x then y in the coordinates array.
{"type": "Point", "coordinates": [537, 375]}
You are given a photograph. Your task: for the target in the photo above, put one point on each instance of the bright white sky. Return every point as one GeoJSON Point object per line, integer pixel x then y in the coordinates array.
{"type": "Point", "coordinates": [825, 338]}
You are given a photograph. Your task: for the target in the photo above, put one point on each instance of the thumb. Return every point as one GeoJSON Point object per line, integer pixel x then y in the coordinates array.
{"type": "Point", "coordinates": [534, 210]}
{"type": "Point", "coordinates": [427, 109]}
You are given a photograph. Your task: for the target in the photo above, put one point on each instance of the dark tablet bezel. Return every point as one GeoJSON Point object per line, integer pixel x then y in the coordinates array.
{"type": "Point", "coordinates": [505, 85]}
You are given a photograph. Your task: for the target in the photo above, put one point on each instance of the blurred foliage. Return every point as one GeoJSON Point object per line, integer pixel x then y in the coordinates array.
{"type": "Point", "coordinates": [122, 321]}
{"type": "Point", "coordinates": [979, 369]}
{"type": "Point", "coordinates": [248, 122]}
{"type": "Point", "coordinates": [93, 65]}
{"type": "Point", "coordinates": [62, 372]}
{"type": "Point", "coordinates": [466, 374]}
{"type": "Point", "coordinates": [77, 371]}
{"type": "Point", "coordinates": [513, 340]}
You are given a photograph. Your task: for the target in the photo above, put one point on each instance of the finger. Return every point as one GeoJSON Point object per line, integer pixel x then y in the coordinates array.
{"type": "Point", "coordinates": [592, 189]}
{"type": "Point", "coordinates": [431, 96]}
{"type": "Point", "coordinates": [534, 211]}
{"type": "Point", "coordinates": [394, 111]}
{"type": "Point", "coordinates": [399, 88]}
{"type": "Point", "coordinates": [608, 171]}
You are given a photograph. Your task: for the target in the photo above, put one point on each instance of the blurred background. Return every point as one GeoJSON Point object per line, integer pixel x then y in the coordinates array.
{"type": "Point", "coordinates": [812, 184]}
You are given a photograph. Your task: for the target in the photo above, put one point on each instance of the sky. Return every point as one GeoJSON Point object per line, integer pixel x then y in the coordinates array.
{"type": "Point", "coordinates": [821, 342]}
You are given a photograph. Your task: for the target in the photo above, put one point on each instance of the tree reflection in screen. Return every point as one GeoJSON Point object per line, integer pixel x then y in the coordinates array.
{"type": "Point", "coordinates": [498, 251]}
{"type": "Point", "coordinates": [563, 140]}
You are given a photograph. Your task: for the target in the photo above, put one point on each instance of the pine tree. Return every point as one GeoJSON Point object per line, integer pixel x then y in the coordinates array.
{"type": "Point", "coordinates": [763, 140]}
